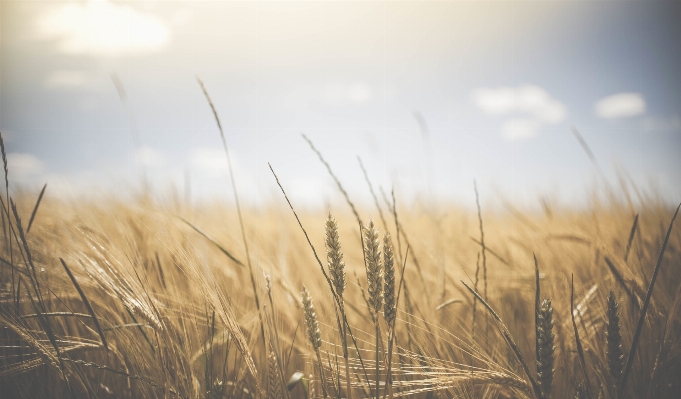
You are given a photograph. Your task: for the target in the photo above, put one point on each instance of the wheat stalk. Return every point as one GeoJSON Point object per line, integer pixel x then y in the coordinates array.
{"type": "Point", "coordinates": [334, 256]}
{"type": "Point", "coordinates": [372, 255]}
{"type": "Point", "coordinates": [374, 269]}
{"type": "Point", "coordinates": [613, 339]}
{"type": "Point", "coordinates": [389, 302]}
{"type": "Point", "coordinates": [336, 266]}
{"type": "Point", "coordinates": [545, 349]}
{"type": "Point", "coordinates": [389, 310]}
{"type": "Point", "coordinates": [274, 379]}
{"type": "Point", "coordinates": [313, 333]}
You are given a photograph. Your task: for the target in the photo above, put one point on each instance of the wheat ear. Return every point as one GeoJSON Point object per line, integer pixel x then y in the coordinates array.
{"type": "Point", "coordinates": [545, 350]}
{"type": "Point", "coordinates": [335, 256]}
{"type": "Point", "coordinates": [372, 254]}
{"type": "Point", "coordinates": [613, 339]}
{"type": "Point", "coordinates": [389, 302]}
{"type": "Point", "coordinates": [274, 380]}
{"type": "Point", "coordinates": [336, 266]}
{"type": "Point", "coordinates": [389, 310]}
{"type": "Point", "coordinates": [313, 333]}
{"type": "Point", "coordinates": [374, 269]}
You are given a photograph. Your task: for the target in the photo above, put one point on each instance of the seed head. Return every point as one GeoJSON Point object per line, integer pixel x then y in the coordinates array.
{"type": "Point", "coordinates": [613, 338]}
{"type": "Point", "coordinates": [389, 310]}
{"type": "Point", "coordinates": [274, 380]}
{"type": "Point", "coordinates": [313, 332]}
{"type": "Point", "coordinates": [335, 256]}
{"type": "Point", "coordinates": [546, 349]}
{"type": "Point", "coordinates": [374, 269]}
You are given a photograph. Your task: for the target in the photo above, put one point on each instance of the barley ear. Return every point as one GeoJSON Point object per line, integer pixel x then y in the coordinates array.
{"type": "Point", "coordinates": [274, 379]}
{"type": "Point", "coordinates": [545, 350]}
{"type": "Point", "coordinates": [313, 333]}
{"type": "Point", "coordinates": [613, 338]}
{"type": "Point", "coordinates": [334, 256]}
{"type": "Point", "coordinates": [389, 310]}
{"type": "Point", "coordinates": [374, 268]}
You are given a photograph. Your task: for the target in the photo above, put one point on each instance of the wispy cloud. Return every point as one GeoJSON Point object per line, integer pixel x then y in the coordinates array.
{"type": "Point", "coordinates": [531, 105]}
{"type": "Point", "coordinates": [102, 28]}
{"type": "Point", "coordinates": [209, 160]}
{"type": "Point", "coordinates": [24, 166]}
{"type": "Point", "coordinates": [621, 105]}
{"type": "Point", "coordinates": [69, 79]}
{"type": "Point", "coordinates": [343, 94]}
{"type": "Point", "coordinates": [149, 157]}
{"type": "Point", "coordinates": [520, 128]}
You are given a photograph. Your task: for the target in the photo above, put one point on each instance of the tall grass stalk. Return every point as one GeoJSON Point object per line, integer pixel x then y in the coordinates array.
{"type": "Point", "coordinates": [372, 254]}
{"type": "Point", "coordinates": [613, 338]}
{"type": "Point", "coordinates": [336, 266]}
{"type": "Point", "coordinates": [238, 210]}
{"type": "Point", "coordinates": [644, 308]}
{"type": "Point", "coordinates": [313, 333]}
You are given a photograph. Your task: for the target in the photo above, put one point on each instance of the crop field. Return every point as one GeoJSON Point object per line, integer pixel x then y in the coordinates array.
{"type": "Point", "coordinates": [128, 299]}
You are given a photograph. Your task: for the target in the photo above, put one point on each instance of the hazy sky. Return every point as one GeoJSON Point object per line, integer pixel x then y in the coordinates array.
{"type": "Point", "coordinates": [498, 85]}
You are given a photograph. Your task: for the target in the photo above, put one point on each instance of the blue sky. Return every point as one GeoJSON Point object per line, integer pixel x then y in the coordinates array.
{"type": "Point", "coordinates": [499, 84]}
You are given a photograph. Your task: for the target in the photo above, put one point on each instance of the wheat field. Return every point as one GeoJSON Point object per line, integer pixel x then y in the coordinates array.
{"type": "Point", "coordinates": [159, 299]}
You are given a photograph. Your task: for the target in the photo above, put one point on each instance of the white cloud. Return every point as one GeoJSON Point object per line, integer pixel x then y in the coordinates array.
{"type": "Point", "coordinates": [23, 166]}
{"type": "Point", "coordinates": [520, 128]}
{"type": "Point", "coordinates": [211, 175]}
{"type": "Point", "coordinates": [208, 159]}
{"type": "Point", "coordinates": [621, 105]}
{"type": "Point", "coordinates": [531, 106]}
{"type": "Point", "coordinates": [359, 92]}
{"type": "Point", "coordinates": [527, 99]}
{"type": "Point", "coordinates": [149, 157]}
{"type": "Point", "coordinates": [102, 28]}
{"type": "Point", "coordinates": [344, 94]}
{"type": "Point", "coordinates": [67, 79]}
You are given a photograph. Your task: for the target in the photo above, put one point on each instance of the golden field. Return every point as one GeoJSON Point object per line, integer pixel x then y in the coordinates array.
{"type": "Point", "coordinates": [111, 298]}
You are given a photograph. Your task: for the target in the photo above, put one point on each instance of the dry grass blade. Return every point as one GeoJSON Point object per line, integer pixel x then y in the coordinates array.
{"type": "Point", "coordinates": [509, 340]}
{"type": "Point", "coordinates": [482, 240]}
{"type": "Point", "coordinates": [580, 350]}
{"type": "Point", "coordinates": [45, 324]}
{"type": "Point", "coordinates": [27, 337]}
{"type": "Point", "coordinates": [391, 334]}
{"type": "Point", "coordinates": [4, 164]}
{"type": "Point", "coordinates": [632, 233]}
{"type": "Point", "coordinates": [321, 266]}
{"type": "Point", "coordinates": [238, 211]}
{"type": "Point", "coordinates": [35, 208]}
{"type": "Point", "coordinates": [644, 309]}
{"type": "Point", "coordinates": [338, 183]}
{"type": "Point", "coordinates": [57, 314]}
{"type": "Point", "coordinates": [373, 194]}
{"type": "Point", "coordinates": [447, 303]}
{"type": "Point", "coordinates": [20, 368]}
{"type": "Point", "coordinates": [536, 305]}
{"type": "Point", "coordinates": [620, 279]}
{"type": "Point", "coordinates": [491, 252]}
{"type": "Point", "coordinates": [209, 238]}
{"type": "Point", "coordinates": [86, 302]}
{"type": "Point", "coordinates": [586, 149]}
{"type": "Point", "coordinates": [29, 258]}
{"type": "Point", "coordinates": [314, 251]}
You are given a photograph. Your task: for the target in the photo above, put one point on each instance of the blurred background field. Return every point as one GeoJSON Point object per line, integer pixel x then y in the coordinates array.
{"type": "Point", "coordinates": [173, 307]}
